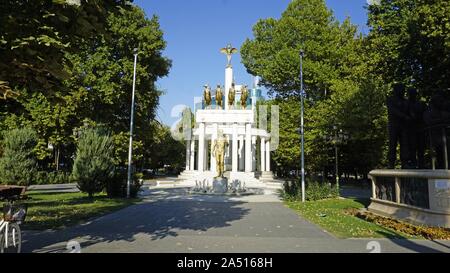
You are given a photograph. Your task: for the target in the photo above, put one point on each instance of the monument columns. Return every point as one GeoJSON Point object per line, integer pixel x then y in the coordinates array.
{"type": "Point", "coordinates": [192, 155]}
{"type": "Point", "coordinates": [201, 148]}
{"type": "Point", "coordinates": [248, 147]}
{"type": "Point", "coordinates": [253, 153]}
{"type": "Point", "coordinates": [213, 157]}
{"type": "Point", "coordinates": [268, 156]}
{"type": "Point", "coordinates": [234, 159]}
{"type": "Point", "coordinates": [263, 154]}
{"type": "Point", "coordinates": [228, 82]}
{"type": "Point", "coordinates": [241, 153]}
{"type": "Point", "coordinates": [205, 168]}
{"type": "Point", "coordinates": [188, 154]}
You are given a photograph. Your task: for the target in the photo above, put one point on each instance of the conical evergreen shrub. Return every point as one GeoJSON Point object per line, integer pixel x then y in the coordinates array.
{"type": "Point", "coordinates": [93, 165]}
{"type": "Point", "coordinates": [18, 162]}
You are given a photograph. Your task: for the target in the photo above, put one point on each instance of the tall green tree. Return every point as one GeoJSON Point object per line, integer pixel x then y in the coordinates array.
{"type": "Point", "coordinates": [97, 61]}
{"type": "Point", "coordinates": [274, 52]}
{"type": "Point", "coordinates": [35, 36]}
{"type": "Point", "coordinates": [341, 91]}
{"type": "Point", "coordinates": [103, 74]}
{"type": "Point", "coordinates": [409, 42]}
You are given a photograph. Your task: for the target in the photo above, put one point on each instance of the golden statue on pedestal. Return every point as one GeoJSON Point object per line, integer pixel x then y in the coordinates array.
{"type": "Point", "coordinates": [218, 150]}
{"type": "Point", "coordinates": [244, 96]}
{"type": "Point", "coordinates": [229, 51]}
{"type": "Point", "coordinates": [219, 97]}
{"type": "Point", "coordinates": [207, 96]}
{"type": "Point", "coordinates": [231, 95]}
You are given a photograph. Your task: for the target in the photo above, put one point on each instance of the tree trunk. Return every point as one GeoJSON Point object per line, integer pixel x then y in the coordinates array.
{"type": "Point", "coordinates": [57, 158]}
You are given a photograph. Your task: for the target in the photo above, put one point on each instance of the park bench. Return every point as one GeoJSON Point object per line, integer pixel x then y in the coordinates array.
{"type": "Point", "coordinates": [12, 192]}
{"type": "Point", "coordinates": [11, 211]}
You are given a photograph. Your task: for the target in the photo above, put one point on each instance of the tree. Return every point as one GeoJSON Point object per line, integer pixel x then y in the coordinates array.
{"type": "Point", "coordinates": [165, 150]}
{"type": "Point", "coordinates": [94, 161]}
{"type": "Point", "coordinates": [340, 89]}
{"type": "Point", "coordinates": [274, 53]}
{"type": "Point", "coordinates": [34, 37]}
{"type": "Point", "coordinates": [97, 64]}
{"type": "Point", "coordinates": [18, 162]}
{"type": "Point", "coordinates": [409, 42]}
{"type": "Point", "coordinates": [103, 76]}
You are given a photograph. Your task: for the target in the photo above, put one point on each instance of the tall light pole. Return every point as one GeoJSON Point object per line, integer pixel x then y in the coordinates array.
{"type": "Point", "coordinates": [130, 148]}
{"type": "Point", "coordinates": [302, 126]}
{"type": "Point", "coordinates": [336, 155]}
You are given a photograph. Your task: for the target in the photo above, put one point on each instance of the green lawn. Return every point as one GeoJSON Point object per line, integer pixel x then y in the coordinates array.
{"type": "Point", "coordinates": [330, 215]}
{"type": "Point", "coordinates": [58, 210]}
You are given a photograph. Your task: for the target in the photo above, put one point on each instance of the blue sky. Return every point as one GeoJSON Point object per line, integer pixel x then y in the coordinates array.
{"type": "Point", "coordinates": [195, 30]}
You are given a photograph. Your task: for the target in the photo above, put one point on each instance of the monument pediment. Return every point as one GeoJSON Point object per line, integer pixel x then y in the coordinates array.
{"type": "Point", "coordinates": [228, 116]}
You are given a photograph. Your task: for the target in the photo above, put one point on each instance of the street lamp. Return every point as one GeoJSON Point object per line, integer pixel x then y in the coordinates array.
{"type": "Point", "coordinates": [336, 155]}
{"type": "Point", "coordinates": [336, 139]}
{"type": "Point", "coordinates": [130, 148]}
{"type": "Point", "coordinates": [302, 125]}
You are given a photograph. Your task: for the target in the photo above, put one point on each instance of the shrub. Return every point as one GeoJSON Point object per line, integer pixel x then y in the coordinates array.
{"type": "Point", "coordinates": [117, 185]}
{"type": "Point", "coordinates": [314, 191]}
{"type": "Point", "coordinates": [318, 191]}
{"type": "Point", "coordinates": [18, 162]}
{"type": "Point", "coordinates": [93, 165]}
{"type": "Point", "coordinates": [40, 178]}
{"type": "Point", "coordinates": [58, 177]}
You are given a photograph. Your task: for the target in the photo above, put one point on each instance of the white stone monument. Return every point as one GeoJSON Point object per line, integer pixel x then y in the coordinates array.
{"type": "Point", "coordinates": [247, 143]}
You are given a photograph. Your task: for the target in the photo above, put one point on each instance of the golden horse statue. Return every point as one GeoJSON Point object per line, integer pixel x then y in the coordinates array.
{"type": "Point", "coordinates": [207, 96]}
{"type": "Point", "coordinates": [231, 95]}
{"type": "Point", "coordinates": [244, 96]}
{"type": "Point", "coordinates": [219, 96]}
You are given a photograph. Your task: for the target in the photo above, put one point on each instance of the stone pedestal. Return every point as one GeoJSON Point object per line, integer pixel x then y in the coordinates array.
{"type": "Point", "coordinates": [220, 185]}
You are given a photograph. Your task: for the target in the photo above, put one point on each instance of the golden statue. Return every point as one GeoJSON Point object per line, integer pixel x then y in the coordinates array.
{"type": "Point", "coordinates": [218, 150]}
{"type": "Point", "coordinates": [207, 96]}
{"type": "Point", "coordinates": [244, 96]}
{"type": "Point", "coordinates": [219, 97]}
{"type": "Point", "coordinates": [229, 51]}
{"type": "Point", "coordinates": [6, 91]}
{"type": "Point", "coordinates": [231, 95]}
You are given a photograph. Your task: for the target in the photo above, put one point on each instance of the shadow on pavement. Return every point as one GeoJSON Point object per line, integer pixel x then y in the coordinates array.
{"type": "Point", "coordinates": [156, 220]}
{"type": "Point", "coordinates": [411, 245]}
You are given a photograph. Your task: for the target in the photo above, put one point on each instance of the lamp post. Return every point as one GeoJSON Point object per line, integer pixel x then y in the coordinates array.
{"type": "Point", "coordinates": [336, 155]}
{"type": "Point", "coordinates": [337, 138]}
{"type": "Point", "coordinates": [130, 148]}
{"type": "Point", "coordinates": [302, 126]}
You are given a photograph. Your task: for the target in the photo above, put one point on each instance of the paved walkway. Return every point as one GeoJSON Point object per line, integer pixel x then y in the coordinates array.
{"type": "Point", "coordinates": [169, 220]}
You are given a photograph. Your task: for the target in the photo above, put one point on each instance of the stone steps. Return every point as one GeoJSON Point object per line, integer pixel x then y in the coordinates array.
{"type": "Point", "coordinates": [266, 176]}
{"type": "Point", "coordinates": [264, 180]}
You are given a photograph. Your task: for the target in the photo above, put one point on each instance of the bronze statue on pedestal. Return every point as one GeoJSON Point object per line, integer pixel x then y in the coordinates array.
{"type": "Point", "coordinates": [218, 150]}
{"type": "Point", "coordinates": [231, 95]}
{"type": "Point", "coordinates": [244, 96]}
{"type": "Point", "coordinates": [207, 96]}
{"type": "Point", "coordinates": [229, 51]}
{"type": "Point", "coordinates": [219, 97]}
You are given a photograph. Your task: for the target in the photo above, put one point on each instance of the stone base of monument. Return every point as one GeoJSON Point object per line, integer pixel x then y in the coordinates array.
{"type": "Point", "coordinates": [220, 185]}
{"type": "Point", "coordinates": [418, 196]}
{"type": "Point", "coordinates": [225, 187]}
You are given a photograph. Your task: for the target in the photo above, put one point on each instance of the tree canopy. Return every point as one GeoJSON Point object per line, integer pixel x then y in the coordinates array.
{"type": "Point", "coordinates": [409, 42]}
{"type": "Point", "coordinates": [68, 66]}
{"type": "Point", "coordinates": [342, 92]}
